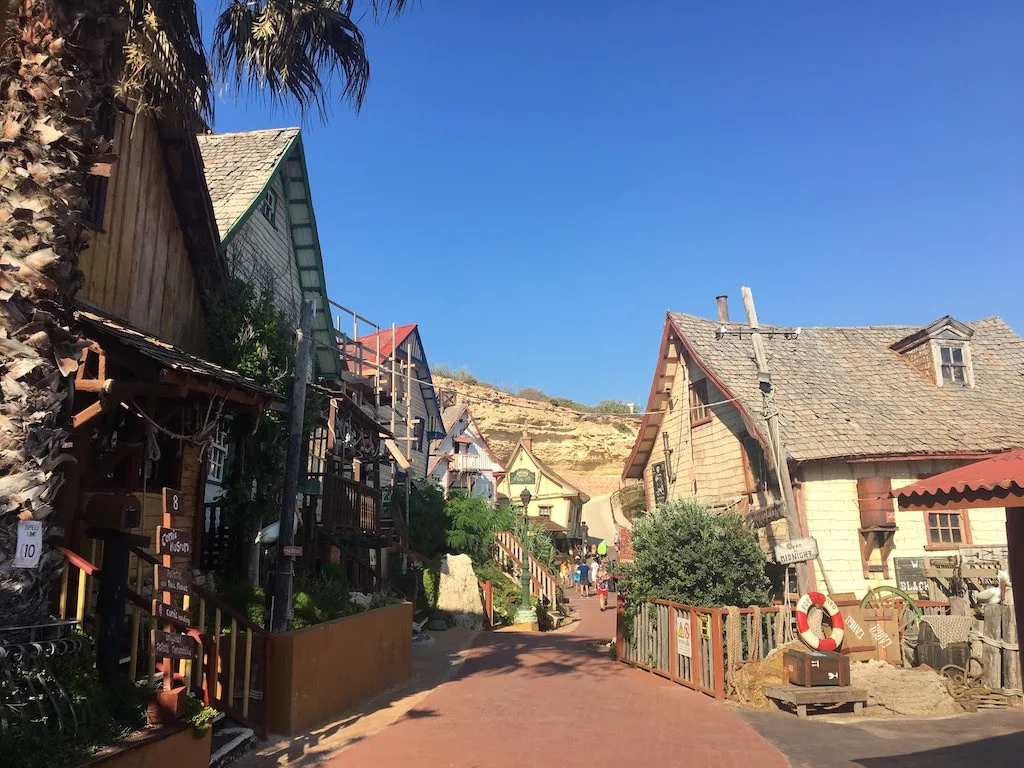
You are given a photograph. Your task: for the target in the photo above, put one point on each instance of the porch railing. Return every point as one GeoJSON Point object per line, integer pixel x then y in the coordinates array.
{"type": "Point", "coordinates": [349, 505]}
{"type": "Point", "coordinates": [509, 555]}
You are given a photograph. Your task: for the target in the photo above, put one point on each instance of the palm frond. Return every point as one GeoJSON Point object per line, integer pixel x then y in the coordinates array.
{"type": "Point", "coordinates": [293, 49]}
{"type": "Point", "coordinates": [165, 61]}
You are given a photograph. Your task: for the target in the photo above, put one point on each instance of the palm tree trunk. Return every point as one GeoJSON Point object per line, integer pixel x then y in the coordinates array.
{"type": "Point", "coordinates": [57, 61]}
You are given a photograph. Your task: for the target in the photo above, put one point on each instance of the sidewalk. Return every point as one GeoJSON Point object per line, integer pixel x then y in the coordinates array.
{"type": "Point", "coordinates": [551, 699]}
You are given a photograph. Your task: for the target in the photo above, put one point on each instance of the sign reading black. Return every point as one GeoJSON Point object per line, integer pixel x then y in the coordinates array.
{"type": "Point", "coordinates": [658, 478]}
{"type": "Point", "coordinates": [171, 580]}
{"type": "Point", "coordinates": [168, 645]}
{"type": "Point", "coordinates": [910, 577]}
{"type": "Point", "coordinates": [171, 541]}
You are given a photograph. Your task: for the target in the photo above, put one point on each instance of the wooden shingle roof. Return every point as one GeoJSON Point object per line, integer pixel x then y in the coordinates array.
{"type": "Point", "coordinates": [845, 392]}
{"type": "Point", "coordinates": [238, 167]}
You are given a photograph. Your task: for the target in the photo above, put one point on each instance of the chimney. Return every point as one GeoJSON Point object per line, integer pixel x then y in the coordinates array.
{"type": "Point", "coordinates": [723, 308]}
{"type": "Point", "coordinates": [527, 441]}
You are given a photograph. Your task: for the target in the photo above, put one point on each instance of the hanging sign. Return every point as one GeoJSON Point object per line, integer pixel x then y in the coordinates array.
{"type": "Point", "coordinates": [705, 626]}
{"type": "Point", "coordinates": [171, 580]}
{"type": "Point", "coordinates": [30, 544]}
{"type": "Point", "coordinates": [171, 645]}
{"type": "Point", "coordinates": [796, 551]}
{"type": "Point", "coordinates": [658, 481]}
{"type": "Point", "coordinates": [173, 542]}
{"type": "Point", "coordinates": [172, 614]}
{"type": "Point", "coordinates": [684, 638]}
{"type": "Point", "coordinates": [910, 577]}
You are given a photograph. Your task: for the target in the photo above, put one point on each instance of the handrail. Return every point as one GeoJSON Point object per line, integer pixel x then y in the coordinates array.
{"type": "Point", "coordinates": [540, 577]}
{"type": "Point", "coordinates": [79, 562]}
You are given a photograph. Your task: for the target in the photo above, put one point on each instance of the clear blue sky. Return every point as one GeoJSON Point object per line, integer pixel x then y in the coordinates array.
{"type": "Point", "coordinates": [536, 183]}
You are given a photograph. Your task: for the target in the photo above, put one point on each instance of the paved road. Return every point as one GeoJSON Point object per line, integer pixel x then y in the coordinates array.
{"type": "Point", "coordinates": [553, 700]}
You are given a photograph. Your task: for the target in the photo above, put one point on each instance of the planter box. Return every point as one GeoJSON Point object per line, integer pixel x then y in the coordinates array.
{"type": "Point", "coordinates": [318, 672]}
{"type": "Point", "coordinates": [167, 747]}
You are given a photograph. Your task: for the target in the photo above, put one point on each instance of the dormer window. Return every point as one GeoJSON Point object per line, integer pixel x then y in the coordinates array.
{"type": "Point", "coordinates": [941, 352]}
{"type": "Point", "coordinates": [954, 368]}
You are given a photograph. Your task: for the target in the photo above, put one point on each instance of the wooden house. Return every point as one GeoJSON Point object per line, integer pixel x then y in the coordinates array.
{"type": "Point", "coordinates": [556, 503]}
{"type": "Point", "coordinates": [863, 410]}
{"type": "Point", "coordinates": [462, 461]}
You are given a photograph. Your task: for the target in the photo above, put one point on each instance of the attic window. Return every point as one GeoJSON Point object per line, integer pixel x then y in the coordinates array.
{"type": "Point", "coordinates": [954, 366]}
{"type": "Point", "coordinates": [268, 207]}
{"type": "Point", "coordinates": [700, 410]}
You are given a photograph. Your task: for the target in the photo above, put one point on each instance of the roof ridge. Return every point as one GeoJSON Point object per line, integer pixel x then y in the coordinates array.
{"type": "Point", "coordinates": [218, 134]}
{"type": "Point", "coordinates": [883, 326]}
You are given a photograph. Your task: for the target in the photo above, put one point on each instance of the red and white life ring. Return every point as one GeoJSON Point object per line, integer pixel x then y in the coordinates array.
{"type": "Point", "coordinates": [831, 643]}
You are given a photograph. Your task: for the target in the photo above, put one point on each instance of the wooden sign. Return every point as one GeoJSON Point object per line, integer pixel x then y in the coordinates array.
{"type": "Point", "coordinates": [171, 580]}
{"type": "Point", "coordinates": [170, 645]}
{"type": "Point", "coordinates": [173, 542]}
{"type": "Point", "coordinates": [172, 614]}
{"type": "Point", "coordinates": [522, 476]}
{"type": "Point", "coordinates": [871, 634]}
{"type": "Point", "coordinates": [796, 551]}
{"type": "Point", "coordinates": [296, 551]}
{"type": "Point", "coordinates": [174, 503]}
{"type": "Point", "coordinates": [910, 577]}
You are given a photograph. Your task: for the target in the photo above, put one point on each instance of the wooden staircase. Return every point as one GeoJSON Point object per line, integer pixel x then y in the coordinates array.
{"type": "Point", "coordinates": [509, 556]}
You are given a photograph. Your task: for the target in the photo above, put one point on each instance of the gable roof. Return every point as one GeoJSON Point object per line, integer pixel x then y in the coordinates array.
{"type": "Point", "coordinates": [238, 168]}
{"type": "Point", "coordinates": [449, 418]}
{"type": "Point", "coordinates": [569, 488]}
{"type": "Point", "coordinates": [844, 392]}
{"type": "Point", "coordinates": [452, 414]}
{"type": "Point", "coordinates": [388, 343]}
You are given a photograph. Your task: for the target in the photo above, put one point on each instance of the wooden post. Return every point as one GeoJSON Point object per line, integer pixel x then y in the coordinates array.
{"type": "Point", "coordinates": [718, 653]}
{"type": "Point", "coordinates": [990, 654]}
{"type": "Point", "coordinates": [1011, 659]}
{"type": "Point", "coordinates": [777, 454]}
{"type": "Point", "coordinates": [620, 638]}
{"type": "Point", "coordinates": [1015, 546]}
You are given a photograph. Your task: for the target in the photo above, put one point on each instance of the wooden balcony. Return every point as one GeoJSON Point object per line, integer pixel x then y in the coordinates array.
{"type": "Point", "coordinates": [349, 506]}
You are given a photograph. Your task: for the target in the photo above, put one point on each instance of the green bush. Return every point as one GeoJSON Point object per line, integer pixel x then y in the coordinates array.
{"type": "Point", "coordinates": [685, 553]}
{"type": "Point", "coordinates": [472, 523]}
{"type": "Point", "coordinates": [612, 406]}
{"type": "Point", "coordinates": [248, 599]}
{"type": "Point", "coordinates": [542, 546]}
{"type": "Point", "coordinates": [316, 599]}
{"type": "Point", "coordinates": [431, 580]}
{"type": "Point", "coordinates": [424, 514]}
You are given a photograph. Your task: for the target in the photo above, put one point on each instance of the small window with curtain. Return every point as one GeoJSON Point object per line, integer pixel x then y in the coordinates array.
{"type": "Point", "coordinates": [700, 410]}
{"type": "Point", "coordinates": [946, 529]}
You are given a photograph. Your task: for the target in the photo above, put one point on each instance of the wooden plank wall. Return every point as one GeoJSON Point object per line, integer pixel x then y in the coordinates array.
{"type": "Point", "coordinates": [138, 267]}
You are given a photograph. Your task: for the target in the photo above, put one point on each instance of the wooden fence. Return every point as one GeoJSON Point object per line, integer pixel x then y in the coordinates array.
{"type": "Point", "coordinates": [995, 642]}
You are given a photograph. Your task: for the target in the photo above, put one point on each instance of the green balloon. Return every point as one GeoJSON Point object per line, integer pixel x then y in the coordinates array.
{"type": "Point", "coordinates": [602, 548]}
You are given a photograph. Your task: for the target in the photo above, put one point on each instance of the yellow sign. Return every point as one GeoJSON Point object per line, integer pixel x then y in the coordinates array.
{"type": "Point", "coordinates": [705, 626]}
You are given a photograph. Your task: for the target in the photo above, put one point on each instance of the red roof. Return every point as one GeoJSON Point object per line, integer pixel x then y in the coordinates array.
{"type": "Point", "coordinates": [369, 345]}
{"type": "Point", "coordinates": [1004, 472]}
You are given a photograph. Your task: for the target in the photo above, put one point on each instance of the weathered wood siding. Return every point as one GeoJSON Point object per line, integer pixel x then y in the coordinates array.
{"type": "Point", "coordinates": [137, 267]}
{"type": "Point", "coordinates": [261, 252]}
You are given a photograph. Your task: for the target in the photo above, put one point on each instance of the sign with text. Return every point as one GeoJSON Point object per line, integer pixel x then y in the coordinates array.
{"type": "Point", "coordinates": [522, 476]}
{"type": "Point", "coordinates": [684, 636]}
{"type": "Point", "coordinates": [796, 551]}
{"type": "Point", "coordinates": [658, 481]}
{"type": "Point", "coordinates": [170, 645]}
{"type": "Point", "coordinates": [174, 504]}
{"type": "Point", "coordinates": [910, 577]}
{"type": "Point", "coordinates": [705, 626]}
{"type": "Point", "coordinates": [171, 580]}
{"type": "Point", "coordinates": [30, 544]}
{"type": "Point", "coordinates": [172, 614]}
{"type": "Point", "coordinates": [296, 551]}
{"type": "Point", "coordinates": [173, 542]}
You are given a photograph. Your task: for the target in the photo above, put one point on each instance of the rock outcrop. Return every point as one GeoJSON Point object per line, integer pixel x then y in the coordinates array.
{"type": "Point", "coordinates": [588, 450]}
{"type": "Point", "coordinates": [458, 592]}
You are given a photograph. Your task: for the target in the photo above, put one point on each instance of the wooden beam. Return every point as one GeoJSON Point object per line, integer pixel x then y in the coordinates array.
{"type": "Point", "coordinates": [87, 414]}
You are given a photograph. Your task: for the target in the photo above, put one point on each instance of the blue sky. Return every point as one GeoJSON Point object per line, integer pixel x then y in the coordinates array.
{"type": "Point", "coordinates": [537, 183]}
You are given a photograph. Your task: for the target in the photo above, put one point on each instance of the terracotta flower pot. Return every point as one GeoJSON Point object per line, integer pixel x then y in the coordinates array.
{"type": "Point", "coordinates": [167, 707]}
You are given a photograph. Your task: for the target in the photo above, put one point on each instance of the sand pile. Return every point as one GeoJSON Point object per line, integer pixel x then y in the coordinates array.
{"type": "Point", "coordinates": [909, 692]}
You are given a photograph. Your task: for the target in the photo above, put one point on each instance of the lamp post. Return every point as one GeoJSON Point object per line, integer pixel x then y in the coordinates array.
{"type": "Point", "coordinates": [526, 614]}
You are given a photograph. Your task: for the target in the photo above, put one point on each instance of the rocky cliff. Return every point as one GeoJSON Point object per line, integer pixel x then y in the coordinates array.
{"type": "Point", "coordinates": [588, 450]}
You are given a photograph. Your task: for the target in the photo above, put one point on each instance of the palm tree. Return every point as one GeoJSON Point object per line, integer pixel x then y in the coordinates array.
{"type": "Point", "coordinates": [63, 63]}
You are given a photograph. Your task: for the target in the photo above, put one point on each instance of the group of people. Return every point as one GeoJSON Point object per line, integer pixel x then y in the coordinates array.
{"type": "Point", "coordinates": [587, 573]}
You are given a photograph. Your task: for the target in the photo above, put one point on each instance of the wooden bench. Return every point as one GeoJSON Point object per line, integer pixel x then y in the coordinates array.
{"type": "Point", "coordinates": [801, 697]}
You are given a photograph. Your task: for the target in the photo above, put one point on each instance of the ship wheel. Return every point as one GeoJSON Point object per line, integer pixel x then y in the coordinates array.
{"type": "Point", "coordinates": [886, 598]}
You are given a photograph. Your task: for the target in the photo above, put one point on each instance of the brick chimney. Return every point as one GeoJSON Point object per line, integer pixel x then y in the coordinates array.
{"type": "Point", "coordinates": [527, 441]}
{"type": "Point", "coordinates": [723, 308]}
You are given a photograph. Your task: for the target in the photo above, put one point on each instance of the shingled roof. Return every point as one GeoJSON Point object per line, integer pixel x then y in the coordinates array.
{"type": "Point", "coordinates": [845, 392]}
{"type": "Point", "coordinates": [238, 167]}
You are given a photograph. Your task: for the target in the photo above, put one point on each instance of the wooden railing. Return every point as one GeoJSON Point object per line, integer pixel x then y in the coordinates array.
{"type": "Point", "coordinates": [509, 555]}
{"type": "Point", "coordinates": [231, 666]}
{"type": "Point", "coordinates": [350, 506]}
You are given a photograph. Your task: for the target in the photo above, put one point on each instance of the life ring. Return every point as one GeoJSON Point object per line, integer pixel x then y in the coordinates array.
{"type": "Point", "coordinates": [831, 643]}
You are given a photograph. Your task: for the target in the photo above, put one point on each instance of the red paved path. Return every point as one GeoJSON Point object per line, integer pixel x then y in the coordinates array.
{"type": "Point", "coordinates": [552, 700]}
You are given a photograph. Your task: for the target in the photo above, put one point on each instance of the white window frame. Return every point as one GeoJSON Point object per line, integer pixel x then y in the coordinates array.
{"type": "Point", "coordinates": [268, 207]}
{"type": "Point", "coordinates": [217, 455]}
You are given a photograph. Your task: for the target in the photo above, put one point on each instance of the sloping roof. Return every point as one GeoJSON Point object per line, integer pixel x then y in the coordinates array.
{"type": "Point", "coordinates": [449, 418]}
{"type": "Point", "coordinates": [569, 488]}
{"type": "Point", "coordinates": [388, 343]}
{"type": "Point", "coordinates": [101, 327]}
{"type": "Point", "coordinates": [452, 414]}
{"type": "Point", "coordinates": [1002, 473]}
{"type": "Point", "coordinates": [845, 392]}
{"type": "Point", "coordinates": [238, 167]}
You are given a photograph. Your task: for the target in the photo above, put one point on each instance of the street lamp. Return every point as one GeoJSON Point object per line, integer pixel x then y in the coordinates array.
{"type": "Point", "coordinates": [526, 614]}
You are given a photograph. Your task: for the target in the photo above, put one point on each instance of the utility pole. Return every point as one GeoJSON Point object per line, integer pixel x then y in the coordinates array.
{"type": "Point", "coordinates": [778, 448]}
{"type": "Point", "coordinates": [282, 601]}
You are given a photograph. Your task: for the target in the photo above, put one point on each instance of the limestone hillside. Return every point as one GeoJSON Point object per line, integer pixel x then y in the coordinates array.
{"type": "Point", "coordinates": [588, 450]}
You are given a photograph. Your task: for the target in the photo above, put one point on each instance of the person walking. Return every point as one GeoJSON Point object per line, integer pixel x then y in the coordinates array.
{"type": "Point", "coordinates": [576, 576]}
{"type": "Point", "coordinates": [602, 585]}
{"type": "Point", "coordinates": [594, 568]}
{"type": "Point", "coordinates": [584, 572]}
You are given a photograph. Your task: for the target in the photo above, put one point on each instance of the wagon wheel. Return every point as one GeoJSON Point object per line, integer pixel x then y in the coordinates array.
{"type": "Point", "coordinates": [892, 599]}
